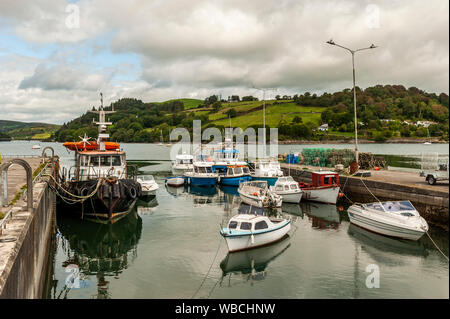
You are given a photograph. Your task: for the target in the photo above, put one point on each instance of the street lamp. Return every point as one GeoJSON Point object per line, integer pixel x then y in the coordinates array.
{"type": "Point", "coordinates": [331, 42]}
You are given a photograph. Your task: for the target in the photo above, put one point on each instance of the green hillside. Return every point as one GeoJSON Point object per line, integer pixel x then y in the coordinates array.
{"type": "Point", "coordinates": [383, 112]}
{"type": "Point", "coordinates": [23, 130]}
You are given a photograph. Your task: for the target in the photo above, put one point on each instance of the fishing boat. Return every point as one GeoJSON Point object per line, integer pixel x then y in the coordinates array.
{"type": "Point", "coordinates": [175, 181]}
{"type": "Point", "coordinates": [201, 175]}
{"type": "Point", "coordinates": [266, 170]}
{"type": "Point", "coordinates": [392, 218]}
{"type": "Point", "coordinates": [324, 187]}
{"type": "Point", "coordinates": [99, 185]}
{"type": "Point", "coordinates": [288, 189]}
{"type": "Point", "coordinates": [148, 184]}
{"type": "Point", "coordinates": [257, 193]}
{"type": "Point", "coordinates": [245, 231]}
{"type": "Point", "coordinates": [183, 162]}
{"type": "Point", "coordinates": [234, 175]}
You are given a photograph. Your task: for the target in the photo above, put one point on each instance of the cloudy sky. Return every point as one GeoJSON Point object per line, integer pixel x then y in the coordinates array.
{"type": "Point", "coordinates": [57, 55]}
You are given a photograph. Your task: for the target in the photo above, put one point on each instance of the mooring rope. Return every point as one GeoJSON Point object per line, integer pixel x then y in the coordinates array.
{"type": "Point", "coordinates": [207, 274]}
{"type": "Point", "coordinates": [436, 246]}
{"type": "Point", "coordinates": [73, 195]}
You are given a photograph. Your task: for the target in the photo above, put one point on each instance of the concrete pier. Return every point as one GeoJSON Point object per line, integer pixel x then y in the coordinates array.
{"type": "Point", "coordinates": [26, 236]}
{"type": "Point", "coordinates": [432, 201]}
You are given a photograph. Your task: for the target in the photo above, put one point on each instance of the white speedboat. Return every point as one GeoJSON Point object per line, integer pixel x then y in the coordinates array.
{"type": "Point", "coordinates": [246, 231]}
{"type": "Point", "coordinates": [288, 189]}
{"type": "Point", "coordinates": [393, 218]}
{"type": "Point", "coordinates": [324, 187]}
{"type": "Point", "coordinates": [257, 193]}
{"type": "Point", "coordinates": [182, 164]}
{"type": "Point", "coordinates": [149, 185]}
{"type": "Point", "coordinates": [175, 181]}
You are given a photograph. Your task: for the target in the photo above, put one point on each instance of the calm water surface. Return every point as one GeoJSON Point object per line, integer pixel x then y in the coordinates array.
{"type": "Point", "coordinates": [164, 248]}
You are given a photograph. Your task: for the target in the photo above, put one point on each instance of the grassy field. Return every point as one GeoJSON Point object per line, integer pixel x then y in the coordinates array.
{"type": "Point", "coordinates": [275, 113]}
{"type": "Point", "coordinates": [188, 103]}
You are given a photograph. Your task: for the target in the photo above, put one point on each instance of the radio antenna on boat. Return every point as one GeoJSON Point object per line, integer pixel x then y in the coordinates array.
{"type": "Point", "coordinates": [264, 111]}
{"type": "Point", "coordinates": [102, 123]}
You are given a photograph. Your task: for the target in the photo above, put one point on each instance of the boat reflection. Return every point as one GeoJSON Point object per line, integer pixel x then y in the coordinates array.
{"type": "Point", "coordinates": [146, 207]}
{"type": "Point", "coordinates": [99, 250]}
{"type": "Point", "coordinates": [251, 264]}
{"type": "Point", "coordinates": [293, 209]}
{"type": "Point", "coordinates": [232, 190]}
{"type": "Point", "coordinates": [376, 243]}
{"type": "Point", "coordinates": [202, 191]}
{"type": "Point", "coordinates": [176, 191]}
{"type": "Point", "coordinates": [323, 216]}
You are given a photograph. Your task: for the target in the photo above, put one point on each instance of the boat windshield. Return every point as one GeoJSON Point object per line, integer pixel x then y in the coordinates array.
{"type": "Point", "coordinates": [147, 178]}
{"type": "Point", "coordinates": [392, 206]}
{"type": "Point", "coordinates": [203, 169]}
{"type": "Point", "coordinates": [259, 184]}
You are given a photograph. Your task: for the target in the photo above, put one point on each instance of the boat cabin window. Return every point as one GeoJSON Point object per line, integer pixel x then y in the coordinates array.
{"type": "Point", "coordinates": [203, 169]}
{"type": "Point", "coordinates": [286, 187]}
{"type": "Point", "coordinates": [232, 224]}
{"type": "Point", "coordinates": [246, 226]}
{"type": "Point", "coordinates": [94, 161]}
{"type": "Point", "coordinates": [279, 188]}
{"type": "Point", "coordinates": [246, 170]}
{"type": "Point", "coordinates": [115, 160]}
{"type": "Point", "coordinates": [84, 160]}
{"type": "Point", "coordinates": [237, 170]}
{"type": "Point", "coordinates": [294, 186]}
{"type": "Point", "coordinates": [229, 171]}
{"type": "Point", "coordinates": [261, 225]}
{"type": "Point", "coordinates": [105, 161]}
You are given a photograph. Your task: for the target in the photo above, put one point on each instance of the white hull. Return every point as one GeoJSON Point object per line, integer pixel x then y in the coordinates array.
{"type": "Point", "coordinates": [323, 195]}
{"type": "Point", "coordinates": [237, 243]}
{"type": "Point", "coordinates": [382, 226]}
{"type": "Point", "coordinates": [181, 169]}
{"type": "Point", "coordinates": [179, 181]}
{"type": "Point", "coordinates": [291, 197]}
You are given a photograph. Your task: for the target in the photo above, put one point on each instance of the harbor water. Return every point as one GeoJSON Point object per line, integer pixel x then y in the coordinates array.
{"type": "Point", "coordinates": [170, 247]}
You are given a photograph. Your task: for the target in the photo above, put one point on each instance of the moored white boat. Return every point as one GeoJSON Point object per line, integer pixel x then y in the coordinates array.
{"type": "Point", "coordinates": [288, 189]}
{"type": "Point", "coordinates": [246, 231]}
{"type": "Point", "coordinates": [393, 218]}
{"type": "Point", "coordinates": [257, 193]}
{"type": "Point", "coordinates": [175, 181]}
{"type": "Point", "coordinates": [149, 185]}
{"type": "Point", "coordinates": [266, 170]}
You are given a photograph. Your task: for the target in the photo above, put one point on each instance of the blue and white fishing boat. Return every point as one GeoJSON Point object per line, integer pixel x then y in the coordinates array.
{"type": "Point", "coordinates": [234, 175]}
{"type": "Point", "coordinates": [202, 175]}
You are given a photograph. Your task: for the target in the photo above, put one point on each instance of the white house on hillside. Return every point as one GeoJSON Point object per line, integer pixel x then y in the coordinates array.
{"type": "Point", "coordinates": [323, 128]}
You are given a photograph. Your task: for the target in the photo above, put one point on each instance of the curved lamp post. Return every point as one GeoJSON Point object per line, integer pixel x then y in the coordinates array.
{"type": "Point", "coordinates": [331, 42]}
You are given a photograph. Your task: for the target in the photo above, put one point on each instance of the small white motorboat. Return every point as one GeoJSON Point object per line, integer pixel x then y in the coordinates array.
{"type": "Point", "coordinates": [288, 189]}
{"type": "Point", "coordinates": [393, 218]}
{"type": "Point", "coordinates": [257, 193]}
{"type": "Point", "coordinates": [36, 147]}
{"type": "Point", "coordinates": [175, 181]}
{"type": "Point", "coordinates": [246, 231]}
{"type": "Point", "coordinates": [148, 184]}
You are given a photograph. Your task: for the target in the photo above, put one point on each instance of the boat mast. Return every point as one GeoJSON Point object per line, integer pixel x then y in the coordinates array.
{"type": "Point", "coordinates": [102, 123]}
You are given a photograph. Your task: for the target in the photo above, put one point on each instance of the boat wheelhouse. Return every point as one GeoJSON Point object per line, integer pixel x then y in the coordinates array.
{"type": "Point", "coordinates": [182, 163]}
{"type": "Point", "coordinates": [268, 170]}
{"type": "Point", "coordinates": [392, 218]}
{"type": "Point", "coordinates": [201, 175]}
{"type": "Point", "coordinates": [245, 231]}
{"type": "Point", "coordinates": [234, 175]}
{"type": "Point", "coordinates": [324, 187]}
{"type": "Point", "coordinates": [288, 189]}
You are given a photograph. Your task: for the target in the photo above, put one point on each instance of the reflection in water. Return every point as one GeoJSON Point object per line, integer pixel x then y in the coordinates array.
{"type": "Point", "coordinates": [176, 191]}
{"type": "Point", "coordinates": [252, 264]}
{"type": "Point", "coordinates": [146, 207]}
{"type": "Point", "coordinates": [232, 190]}
{"type": "Point", "coordinates": [375, 242]}
{"type": "Point", "coordinates": [99, 250]}
{"type": "Point", "coordinates": [323, 216]}
{"type": "Point", "coordinates": [293, 209]}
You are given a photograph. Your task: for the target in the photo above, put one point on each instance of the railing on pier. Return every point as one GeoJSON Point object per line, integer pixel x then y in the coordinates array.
{"type": "Point", "coordinates": [9, 215]}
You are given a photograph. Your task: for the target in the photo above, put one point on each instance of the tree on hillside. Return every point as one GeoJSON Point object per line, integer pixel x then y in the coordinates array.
{"type": "Point", "coordinates": [231, 113]}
